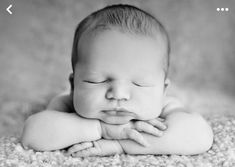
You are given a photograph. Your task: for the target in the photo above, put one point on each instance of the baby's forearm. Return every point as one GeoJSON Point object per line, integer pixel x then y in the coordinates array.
{"type": "Point", "coordinates": [187, 134]}
{"type": "Point", "coordinates": [52, 130]}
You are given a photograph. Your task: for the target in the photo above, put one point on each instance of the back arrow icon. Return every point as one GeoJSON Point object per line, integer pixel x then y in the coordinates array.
{"type": "Point", "coordinates": [8, 9]}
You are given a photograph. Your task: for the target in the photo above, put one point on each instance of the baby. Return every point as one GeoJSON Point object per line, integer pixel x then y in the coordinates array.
{"type": "Point", "coordinates": [118, 102]}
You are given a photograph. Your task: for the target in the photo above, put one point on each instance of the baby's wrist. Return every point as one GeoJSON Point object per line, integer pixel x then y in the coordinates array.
{"type": "Point", "coordinates": [119, 147]}
{"type": "Point", "coordinates": [101, 129]}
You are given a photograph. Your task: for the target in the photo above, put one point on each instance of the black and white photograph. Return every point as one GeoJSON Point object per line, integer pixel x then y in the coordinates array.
{"type": "Point", "coordinates": [117, 83]}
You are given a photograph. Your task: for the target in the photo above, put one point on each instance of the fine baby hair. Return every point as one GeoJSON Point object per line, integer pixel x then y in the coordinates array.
{"type": "Point", "coordinates": [125, 18]}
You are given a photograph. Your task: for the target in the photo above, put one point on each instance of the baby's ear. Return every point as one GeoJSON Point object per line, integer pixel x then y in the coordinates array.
{"type": "Point", "coordinates": [166, 84]}
{"type": "Point", "coordinates": [71, 79]}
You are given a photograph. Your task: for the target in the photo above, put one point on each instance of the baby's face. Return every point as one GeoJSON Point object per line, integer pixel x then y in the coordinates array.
{"type": "Point", "coordinates": [120, 78]}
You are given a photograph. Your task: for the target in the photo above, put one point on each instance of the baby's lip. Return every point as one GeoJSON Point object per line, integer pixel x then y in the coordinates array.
{"type": "Point", "coordinates": [118, 112]}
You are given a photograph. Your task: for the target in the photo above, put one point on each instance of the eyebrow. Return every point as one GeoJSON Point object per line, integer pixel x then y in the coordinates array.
{"type": "Point", "coordinates": [93, 73]}
{"type": "Point", "coordinates": [146, 76]}
{"type": "Point", "coordinates": [146, 79]}
{"type": "Point", "coordinates": [139, 77]}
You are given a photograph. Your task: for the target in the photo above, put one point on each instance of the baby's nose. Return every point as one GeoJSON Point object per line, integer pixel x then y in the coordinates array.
{"type": "Point", "coordinates": [118, 91]}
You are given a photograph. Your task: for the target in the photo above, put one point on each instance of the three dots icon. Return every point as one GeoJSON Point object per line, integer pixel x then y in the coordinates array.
{"type": "Point", "coordinates": [222, 9]}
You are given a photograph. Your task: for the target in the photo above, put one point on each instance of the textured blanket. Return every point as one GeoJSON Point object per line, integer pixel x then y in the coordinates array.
{"type": "Point", "coordinates": [222, 153]}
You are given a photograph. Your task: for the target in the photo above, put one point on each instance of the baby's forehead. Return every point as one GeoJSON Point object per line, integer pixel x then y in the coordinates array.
{"type": "Point", "coordinates": [115, 38]}
{"type": "Point", "coordinates": [157, 36]}
{"type": "Point", "coordinates": [124, 50]}
{"type": "Point", "coordinates": [121, 55]}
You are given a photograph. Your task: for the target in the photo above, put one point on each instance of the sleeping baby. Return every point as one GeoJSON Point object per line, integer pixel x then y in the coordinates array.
{"type": "Point", "coordinates": [118, 102]}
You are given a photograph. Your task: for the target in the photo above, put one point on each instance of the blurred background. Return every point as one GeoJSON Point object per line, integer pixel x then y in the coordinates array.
{"type": "Point", "coordinates": [36, 42]}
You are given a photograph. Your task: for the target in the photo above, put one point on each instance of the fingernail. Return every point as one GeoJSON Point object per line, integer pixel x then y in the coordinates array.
{"type": "Point", "coordinates": [164, 127]}
{"type": "Point", "coordinates": [146, 144]}
{"type": "Point", "coordinates": [161, 119]}
{"type": "Point", "coordinates": [160, 133]}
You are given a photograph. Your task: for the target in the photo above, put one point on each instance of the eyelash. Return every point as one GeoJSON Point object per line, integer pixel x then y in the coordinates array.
{"type": "Point", "coordinates": [144, 85]}
{"type": "Point", "coordinates": [137, 84]}
{"type": "Point", "coordinates": [92, 82]}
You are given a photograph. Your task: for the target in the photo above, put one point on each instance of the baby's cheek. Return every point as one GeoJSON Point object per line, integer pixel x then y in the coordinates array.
{"type": "Point", "coordinates": [150, 105]}
{"type": "Point", "coordinates": [81, 102]}
{"type": "Point", "coordinates": [151, 111]}
{"type": "Point", "coordinates": [87, 104]}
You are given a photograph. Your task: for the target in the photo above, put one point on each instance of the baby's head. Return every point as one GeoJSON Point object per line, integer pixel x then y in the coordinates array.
{"type": "Point", "coordinates": [120, 62]}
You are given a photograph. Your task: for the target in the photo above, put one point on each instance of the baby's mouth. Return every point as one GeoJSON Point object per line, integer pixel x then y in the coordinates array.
{"type": "Point", "coordinates": [118, 112]}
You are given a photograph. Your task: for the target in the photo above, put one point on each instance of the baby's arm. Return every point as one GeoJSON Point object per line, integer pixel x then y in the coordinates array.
{"type": "Point", "coordinates": [130, 131]}
{"type": "Point", "coordinates": [102, 147]}
{"type": "Point", "coordinates": [187, 134]}
{"type": "Point", "coordinates": [52, 129]}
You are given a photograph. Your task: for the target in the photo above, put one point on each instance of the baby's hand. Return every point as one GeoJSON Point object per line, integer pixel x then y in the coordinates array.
{"type": "Point", "coordinates": [95, 148]}
{"type": "Point", "coordinates": [76, 149]}
{"type": "Point", "coordinates": [132, 130]}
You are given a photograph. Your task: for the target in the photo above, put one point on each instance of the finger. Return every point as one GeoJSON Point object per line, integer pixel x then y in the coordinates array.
{"type": "Point", "coordinates": [158, 124]}
{"type": "Point", "coordinates": [92, 151]}
{"type": "Point", "coordinates": [136, 136]}
{"type": "Point", "coordinates": [79, 147]}
{"type": "Point", "coordinates": [160, 119]}
{"type": "Point", "coordinates": [82, 153]}
{"type": "Point", "coordinates": [147, 128]}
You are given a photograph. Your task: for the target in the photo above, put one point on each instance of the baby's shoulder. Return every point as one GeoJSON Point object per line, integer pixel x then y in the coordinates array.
{"type": "Point", "coordinates": [173, 98]}
{"type": "Point", "coordinates": [171, 103]}
{"type": "Point", "coordinates": [62, 102]}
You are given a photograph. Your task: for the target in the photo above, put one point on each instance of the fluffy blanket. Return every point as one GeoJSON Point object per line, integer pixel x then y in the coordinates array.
{"type": "Point", "coordinates": [222, 153]}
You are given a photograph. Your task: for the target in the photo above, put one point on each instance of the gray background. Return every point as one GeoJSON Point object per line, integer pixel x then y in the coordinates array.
{"type": "Point", "coordinates": [36, 42]}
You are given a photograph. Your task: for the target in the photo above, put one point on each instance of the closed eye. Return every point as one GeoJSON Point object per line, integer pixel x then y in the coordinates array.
{"type": "Point", "coordinates": [139, 85]}
{"type": "Point", "coordinates": [143, 84]}
{"type": "Point", "coordinates": [95, 82]}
